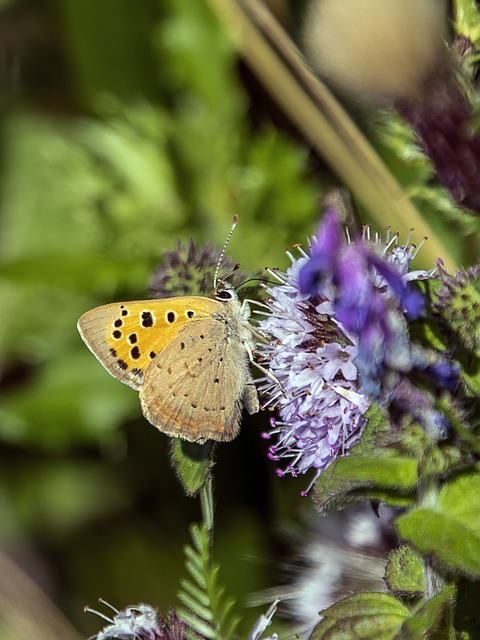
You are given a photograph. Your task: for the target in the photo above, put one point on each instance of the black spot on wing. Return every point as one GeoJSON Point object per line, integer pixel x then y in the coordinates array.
{"type": "Point", "coordinates": [135, 353]}
{"type": "Point", "coordinates": [147, 319]}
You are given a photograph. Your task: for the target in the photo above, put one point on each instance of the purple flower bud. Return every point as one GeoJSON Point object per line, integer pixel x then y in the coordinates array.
{"type": "Point", "coordinates": [324, 254]}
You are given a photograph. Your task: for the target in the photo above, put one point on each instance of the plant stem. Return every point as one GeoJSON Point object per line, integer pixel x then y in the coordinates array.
{"type": "Point", "coordinates": [428, 498]}
{"type": "Point", "coordinates": [206, 504]}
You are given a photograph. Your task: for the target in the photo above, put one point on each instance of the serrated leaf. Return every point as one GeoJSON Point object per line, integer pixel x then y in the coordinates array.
{"type": "Point", "coordinates": [206, 598]}
{"type": "Point", "coordinates": [198, 539]}
{"type": "Point", "coordinates": [225, 611]}
{"type": "Point", "coordinates": [429, 618]}
{"type": "Point", "coordinates": [451, 530]}
{"type": "Point", "coordinates": [192, 463]}
{"type": "Point", "coordinates": [193, 559]}
{"type": "Point", "coordinates": [218, 596]}
{"type": "Point", "coordinates": [195, 592]}
{"type": "Point", "coordinates": [404, 573]}
{"type": "Point", "coordinates": [231, 627]}
{"type": "Point", "coordinates": [197, 624]}
{"type": "Point", "coordinates": [362, 616]}
{"type": "Point", "coordinates": [204, 613]}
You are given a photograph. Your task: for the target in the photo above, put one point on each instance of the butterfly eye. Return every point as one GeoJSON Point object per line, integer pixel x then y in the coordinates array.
{"type": "Point", "coordinates": [224, 295]}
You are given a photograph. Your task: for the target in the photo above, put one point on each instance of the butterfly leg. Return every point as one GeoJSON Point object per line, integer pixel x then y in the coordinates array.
{"type": "Point", "coordinates": [266, 372]}
{"type": "Point", "coordinates": [248, 301]}
{"type": "Point", "coordinates": [258, 333]}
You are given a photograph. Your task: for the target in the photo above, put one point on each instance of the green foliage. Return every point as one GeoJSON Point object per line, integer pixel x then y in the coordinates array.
{"type": "Point", "coordinates": [341, 480]}
{"type": "Point", "coordinates": [208, 610]}
{"type": "Point", "coordinates": [362, 616]}
{"type": "Point", "coordinates": [450, 528]}
{"type": "Point", "coordinates": [375, 469]}
{"type": "Point", "coordinates": [383, 617]}
{"type": "Point", "coordinates": [89, 202]}
{"type": "Point", "coordinates": [192, 463]}
{"type": "Point", "coordinates": [431, 619]}
{"type": "Point", "coordinates": [404, 572]}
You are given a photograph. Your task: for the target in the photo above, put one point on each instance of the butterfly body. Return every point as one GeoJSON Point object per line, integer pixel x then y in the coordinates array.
{"type": "Point", "coordinates": [187, 356]}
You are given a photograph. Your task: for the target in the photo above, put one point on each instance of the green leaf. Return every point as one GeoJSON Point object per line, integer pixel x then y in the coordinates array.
{"type": "Point", "coordinates": [195, 592]}
{"type": "Point", "coordinates": [209, 611]}
{"type": "Point", "coordinates": [353, 473]}
{"type": "Point", "coordinates": [390, 497]}
{"type": "Point", "coordinates": [404, 573]}
{"type": "Point", "coordinates": [193, 605]}
{"type": "Point", "coordinates": [430, 618]}
{"type": "Point", "coordinates": [398, 472]}
{"type": "Point", "coordinates": [450, 530]}
{"type": "Point", "coordinates": [362, 616]}
{"type": "Point", "coordinates": [192, 463]}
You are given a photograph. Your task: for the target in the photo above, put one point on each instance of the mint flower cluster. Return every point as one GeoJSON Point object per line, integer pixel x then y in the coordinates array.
{"type": "Point", "coordinates": [339, 322]}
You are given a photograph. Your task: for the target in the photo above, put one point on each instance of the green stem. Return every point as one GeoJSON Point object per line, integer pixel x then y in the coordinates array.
{"type": "Point", "coordinates": [428, 498]}
{"type": "Point", "coordinates": [206, 504]}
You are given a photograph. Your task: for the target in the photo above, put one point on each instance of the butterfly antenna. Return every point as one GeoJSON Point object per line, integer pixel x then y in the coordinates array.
{"type": "Point", "coordinates": [217, 270]}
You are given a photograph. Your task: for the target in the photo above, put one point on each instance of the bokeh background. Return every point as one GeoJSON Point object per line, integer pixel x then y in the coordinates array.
{"type": "Point", "coordinates": [124, 128]}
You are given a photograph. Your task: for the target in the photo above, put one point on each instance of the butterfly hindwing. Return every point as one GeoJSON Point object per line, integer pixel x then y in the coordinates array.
{"type": "Point", "coordinates": [195, 387]}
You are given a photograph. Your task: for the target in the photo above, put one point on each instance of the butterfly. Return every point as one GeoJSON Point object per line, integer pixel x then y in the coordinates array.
{"type": "Point", "coordinates": [187, 356]}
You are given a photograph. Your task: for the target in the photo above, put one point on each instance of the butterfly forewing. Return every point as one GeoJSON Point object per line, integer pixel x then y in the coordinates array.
{"type": "Point", "coordinates": [195, 386]}
{"type": "Point", "coordinates": [127, 336]}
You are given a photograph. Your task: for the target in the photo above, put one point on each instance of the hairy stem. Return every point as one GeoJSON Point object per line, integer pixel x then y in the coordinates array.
{"type": "Point", "coordinates": [206, 504]}
{"type": "Point", "coordinates": [428, 498]}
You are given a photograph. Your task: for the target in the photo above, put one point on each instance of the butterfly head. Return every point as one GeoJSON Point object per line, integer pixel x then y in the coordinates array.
{"type": "Point", "coordinates": [224, 292]}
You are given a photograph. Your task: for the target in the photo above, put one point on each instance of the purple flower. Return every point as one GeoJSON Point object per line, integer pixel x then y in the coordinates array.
{"type": "Point", "coordinates": [320, 404]}
{"type": "Point", "coordinates": [338, 319]}
{"type": "Point", "coordinates": [372, 300]}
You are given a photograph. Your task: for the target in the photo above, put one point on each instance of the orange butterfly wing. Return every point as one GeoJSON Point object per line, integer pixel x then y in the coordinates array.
{"type": "Point", "coordinates": [126, 336]}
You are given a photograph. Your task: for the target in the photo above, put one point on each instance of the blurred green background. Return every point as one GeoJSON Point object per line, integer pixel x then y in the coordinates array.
{"type": "Point", "coordinates": [125, 127]}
